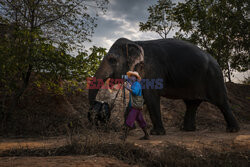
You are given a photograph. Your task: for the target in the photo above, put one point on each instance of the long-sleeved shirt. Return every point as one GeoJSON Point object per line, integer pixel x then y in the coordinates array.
{"type": "Point", "coordinates": [136, 91]}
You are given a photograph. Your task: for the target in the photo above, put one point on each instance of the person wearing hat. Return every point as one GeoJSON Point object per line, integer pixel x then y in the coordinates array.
{"type": "Point", "coordinates": [135, 114]}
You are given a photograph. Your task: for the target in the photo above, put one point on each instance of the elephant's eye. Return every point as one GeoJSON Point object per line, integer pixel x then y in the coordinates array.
{"type": "Point", "coordinates": [112, 60]}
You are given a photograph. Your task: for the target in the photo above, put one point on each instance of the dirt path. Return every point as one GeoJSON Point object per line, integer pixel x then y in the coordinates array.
{"type": "Point", "coordinates": [53, 161]}
{"type": "Point", "coordinates": [195, 141]}
{"type": "Point", "coordinates": [214, 140]}
{"type": "Point", "coordinates": [14, 143]}
{"type": "Point", "coordinates": [61, 161]}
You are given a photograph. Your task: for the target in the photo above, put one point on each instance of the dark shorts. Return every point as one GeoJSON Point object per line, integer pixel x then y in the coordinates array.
{"type": "Point", "coordinates": [135, 115]}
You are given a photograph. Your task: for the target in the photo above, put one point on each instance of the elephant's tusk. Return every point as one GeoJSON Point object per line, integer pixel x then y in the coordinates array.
{"type": "Point", "coordinates": [107, 84]}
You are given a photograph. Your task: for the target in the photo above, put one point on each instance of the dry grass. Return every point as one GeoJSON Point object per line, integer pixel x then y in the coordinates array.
{"type": "Point", "coordinates": [96, 142]}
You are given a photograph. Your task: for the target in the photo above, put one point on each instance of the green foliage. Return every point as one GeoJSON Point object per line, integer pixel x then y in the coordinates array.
{"type": "Point", "coordinates": [36, 38]}
{"type": "Point", "coordinates": [220, 27]}
{"type": "Point", "coordinates": [14, 56]}
{"type": "Point", "coordinates": [67, 21]}
{"type": "Point", "coordinates": [160, 18]}
{"type": "Point", "coordinates": [90, 63]}
{"type": "Point", "coordinates": [50, 64]}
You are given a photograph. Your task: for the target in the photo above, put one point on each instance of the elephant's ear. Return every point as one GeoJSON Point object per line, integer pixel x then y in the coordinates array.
{"type": "Point", "coordinates": [135, 55]}
{"type": "Point", "coordinates": [140, 69]}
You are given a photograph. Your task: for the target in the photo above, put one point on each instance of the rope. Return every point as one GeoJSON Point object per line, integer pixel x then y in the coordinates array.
{"type": "Point", "coordinates": [113, 104]}
{"type": "Point", "coordinates": [123, 95]}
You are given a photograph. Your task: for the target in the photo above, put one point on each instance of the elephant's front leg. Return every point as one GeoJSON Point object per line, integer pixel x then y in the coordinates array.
{"type": "Point", "coordinates": [153, 104]}
{"type": "Point", "coordinates": [189, 119]}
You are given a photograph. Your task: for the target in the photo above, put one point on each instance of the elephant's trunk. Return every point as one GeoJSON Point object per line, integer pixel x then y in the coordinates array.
{"type": "Point", "coordinates": [104, 72]}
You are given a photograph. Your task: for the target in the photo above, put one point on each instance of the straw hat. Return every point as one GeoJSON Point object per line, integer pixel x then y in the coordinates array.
{"type": "Point", "coordinates": [129, 73]}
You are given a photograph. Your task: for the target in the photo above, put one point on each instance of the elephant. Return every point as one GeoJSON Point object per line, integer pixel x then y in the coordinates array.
{"type": "Point", "coordinates": [188, 73]}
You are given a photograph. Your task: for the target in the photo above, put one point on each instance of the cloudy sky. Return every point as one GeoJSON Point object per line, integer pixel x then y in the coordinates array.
{"type": "Point", "coordinates": [122, 20]}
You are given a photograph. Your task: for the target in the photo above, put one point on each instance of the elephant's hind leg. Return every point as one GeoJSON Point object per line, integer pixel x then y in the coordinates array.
{"type": "Point", "coordinates": [219, 98]}
{"type": "Point", "coordinates": [232, 124]}
{"type": "Point", "coordinates": [189, 118]}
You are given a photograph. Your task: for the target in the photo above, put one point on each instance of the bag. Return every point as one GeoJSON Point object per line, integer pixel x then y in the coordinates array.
{"type": "Point", "coordinates": [137, 102]}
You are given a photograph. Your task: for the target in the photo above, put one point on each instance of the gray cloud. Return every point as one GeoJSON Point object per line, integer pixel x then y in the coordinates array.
{"type": "Point", "coordinates": [131, 10]}
{"type": "Point", "coordinates": [106, 27]}
{"type": "Point", "coordinates": [122, 20]}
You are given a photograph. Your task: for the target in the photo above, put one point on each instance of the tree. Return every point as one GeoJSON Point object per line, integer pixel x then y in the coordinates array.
{"type": "Point", "coordinates": [60, 21]}
{"type": "Point", "coordinates": [160, 18]}
{"type": "Point", "coordinates": [87, 64]}
{"type": "Point", "coordinates": [62, 66]}
{"type": "Point", "coordinates": [37, 36]}
{"type": "Point", "coordinates": [220, 27]}
{"type": "Point", "coordinates": [50, 66]}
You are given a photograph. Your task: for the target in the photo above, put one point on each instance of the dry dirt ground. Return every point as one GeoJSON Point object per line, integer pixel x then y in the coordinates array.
{"type": "Point", "coordinates": [52, 161]}
{"type": "Point", "coordinates": [61, 161]}
{"type": "Point", "coordinates": [218, 141]}
{"type": "Point", "coordinates": [210, 135]}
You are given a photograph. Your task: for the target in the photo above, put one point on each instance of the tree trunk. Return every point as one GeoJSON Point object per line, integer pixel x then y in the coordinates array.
{"type": "Point", "coordinates": [228, 72]}
{"type": "Point", "coordinates": [25, 75]}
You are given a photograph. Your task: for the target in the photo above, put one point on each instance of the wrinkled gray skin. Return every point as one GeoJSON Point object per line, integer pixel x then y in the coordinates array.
{"type": "Point", "coordinates": [188, 73]}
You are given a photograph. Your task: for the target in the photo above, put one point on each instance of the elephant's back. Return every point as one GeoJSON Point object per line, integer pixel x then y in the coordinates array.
{"type": "Point", "coordinates": [180, 63]}
{"type": "Point", "coordinates": [174, 49]}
